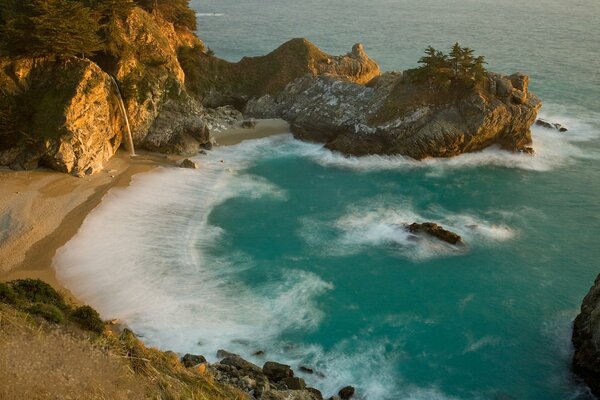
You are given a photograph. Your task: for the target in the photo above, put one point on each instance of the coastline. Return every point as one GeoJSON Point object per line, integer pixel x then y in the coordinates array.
{"type": "Point", "coordinates": [41, 210]}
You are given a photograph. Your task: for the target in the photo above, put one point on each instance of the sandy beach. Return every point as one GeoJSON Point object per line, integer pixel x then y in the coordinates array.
{"type": "Point", "coordinates": [41, 210]}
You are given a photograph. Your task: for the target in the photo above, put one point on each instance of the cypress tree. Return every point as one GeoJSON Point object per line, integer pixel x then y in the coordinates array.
{"type": "Point", "coordinates": [35, 28]}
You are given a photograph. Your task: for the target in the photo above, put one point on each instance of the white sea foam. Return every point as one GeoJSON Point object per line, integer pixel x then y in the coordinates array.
{"type": "Point", "coordinates": [378, 223]}
{"type": "Point", "coordinates": [210, 14]}
{"type": "Point", "coordinates": [143, 256]}
{"type": "Point", "coordinates": [135, 258]}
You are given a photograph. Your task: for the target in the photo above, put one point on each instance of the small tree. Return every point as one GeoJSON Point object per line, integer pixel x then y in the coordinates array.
{"type": "Point", "coordinates": [459, 69]}
{"type": "Point", "coordinates": [176, 11]}
{"type": "Point", "coordinates": [34, 28]}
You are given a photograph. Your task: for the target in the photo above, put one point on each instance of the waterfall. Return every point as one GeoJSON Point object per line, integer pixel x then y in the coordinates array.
{"type": "Point", "coordinates": [124, 112]}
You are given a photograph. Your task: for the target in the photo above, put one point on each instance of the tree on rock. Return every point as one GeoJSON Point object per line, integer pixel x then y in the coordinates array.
{"type": "Point", "coordinates": [458, 69]}
{"type": "Point", "coordinates": [37, 28]}
{"type": "Point", "coordinates": [176, 11]}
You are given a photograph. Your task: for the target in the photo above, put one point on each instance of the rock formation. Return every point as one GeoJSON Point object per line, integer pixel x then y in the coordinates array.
{"type": "Point", "coordinates": [273, 381]}
{"type": "Point", "coordinates": [550, 125]}
{"type": "Point", "coordinates": [436, 231]}
{"type": "Point", "coordinates": [220, 82]}
{"type": "Point", "coordinates": [394, 115]}
{"type": "Point", "coordinates": [586, 339]}
{"type": "Point", "coordinates": [60, 114]}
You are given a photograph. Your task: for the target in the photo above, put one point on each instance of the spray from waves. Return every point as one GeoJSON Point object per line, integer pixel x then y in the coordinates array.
{"type": "Point", "coordinates": [380, 224]}
{"type": "Point", "coordinates": [210, 14]}
{"type": "Point", "coordinates": [553, 149]}
{"type": "Point", "coordinates": [135, 258]}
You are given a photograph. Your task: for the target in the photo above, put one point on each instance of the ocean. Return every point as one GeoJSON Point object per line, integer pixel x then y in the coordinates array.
{"type": "Point", "coordinates": [288, 248]}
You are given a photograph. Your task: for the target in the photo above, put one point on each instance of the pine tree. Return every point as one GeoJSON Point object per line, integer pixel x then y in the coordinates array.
{"type": "Point", "coordinates": [35, 28]}
{"type": "Point", "coordinates": [176, 11]}
{"type": "Point", "coordinates": [478, 70]}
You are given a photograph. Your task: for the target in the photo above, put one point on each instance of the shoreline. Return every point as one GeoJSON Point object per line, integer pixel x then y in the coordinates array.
{"type": "Point", "coordinates": [41, 210]}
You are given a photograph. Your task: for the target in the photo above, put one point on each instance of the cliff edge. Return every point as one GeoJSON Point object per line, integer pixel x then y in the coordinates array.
{"type": "Point", "coordinates": [586, 339]}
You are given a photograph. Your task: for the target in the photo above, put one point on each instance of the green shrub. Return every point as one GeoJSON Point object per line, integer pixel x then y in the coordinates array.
{"type": "Point", "coordinates": [49, 312]}
{"type": "Point", "coordinates": [37, 291]}
{"type": "Point", "coordinates": [7, 294]}
{"type": "Point", "coordinates": [88, 318]}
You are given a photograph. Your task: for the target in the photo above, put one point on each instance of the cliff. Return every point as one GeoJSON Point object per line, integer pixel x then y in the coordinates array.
{"type": "Point", "coordinates": [393, 114]}
{"type": "Point", "coordinates": [586, 339]}
{"type": "Point", "coordinates": [220, 82]}
{"type": "Point", "coordinates": [62, 112]}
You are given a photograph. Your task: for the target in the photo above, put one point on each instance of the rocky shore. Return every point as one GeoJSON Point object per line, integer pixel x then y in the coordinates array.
{"type": "Point", "coordinates": [586, 339]}
{"type": "Point", "coordinates": [63, 112]}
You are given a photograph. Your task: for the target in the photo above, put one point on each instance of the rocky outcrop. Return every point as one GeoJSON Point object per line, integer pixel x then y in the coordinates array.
{"type": "Point", "coordinates": [586, 339]}
{"type": "Point", "coordinates": [272, 382]}
{"type": "Point", "coordinates": [550, 125]}
{"type": "Point", "coordinates": [436, 231]}
{"type": "Point", "coordinates": [220, 82]}
{"type": "Point", "coordinates": [60, 114]}
{"type": "Point", "coordinates": [395, 115]}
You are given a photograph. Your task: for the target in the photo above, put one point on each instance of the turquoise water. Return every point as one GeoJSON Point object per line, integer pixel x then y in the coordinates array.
{"type": "Point", "coordinates": [288, 248]}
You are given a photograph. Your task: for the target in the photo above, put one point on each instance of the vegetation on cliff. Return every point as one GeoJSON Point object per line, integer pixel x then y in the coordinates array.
{"type": "Point", "coordinates": [458, 69]}
{"type": "Point", "coordinates": [59, 344]}
{"type": "Point", "coordinates": [63, 28]}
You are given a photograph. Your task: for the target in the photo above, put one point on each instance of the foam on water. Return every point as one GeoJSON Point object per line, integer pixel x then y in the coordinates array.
{"type": "Point", "coordinates": [143, 256]}
{"type": "Point", "coordinates": [380, 224]}
{"type": "Point", "coordinates": [135, 258]}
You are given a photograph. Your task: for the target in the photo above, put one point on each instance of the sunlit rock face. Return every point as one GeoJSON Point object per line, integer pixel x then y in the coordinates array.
{"type": "Point", "coordinates": [394, 115]}
{"type": "Point", "coordinates": [60, 114]}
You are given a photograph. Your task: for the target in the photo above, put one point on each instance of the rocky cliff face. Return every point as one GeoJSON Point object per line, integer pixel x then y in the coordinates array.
{"type": "Point", "coordinates": [394, 115]}
{"type": "Point", "coordinates": [586, 339]}
{"type": "Point", "coordinates": [61, 114]}
{"type": "Point", "coordinates": [220, 82]}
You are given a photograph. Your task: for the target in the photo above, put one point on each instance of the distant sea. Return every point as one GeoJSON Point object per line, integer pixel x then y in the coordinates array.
{"type": "Point", "coordinates": [288, 248]}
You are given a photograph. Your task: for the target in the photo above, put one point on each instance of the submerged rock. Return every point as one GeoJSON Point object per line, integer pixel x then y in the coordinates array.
{"type": "Point", "coordinates": [346, 392]}
{"type": "Point", "coordinates": [549, 125]}
{"type": "Point", "coordinates": [437, 231]}
{"type": "Point", "coordinates": [586, 339]}
{"type": "Point", "coordinates": [187, 163]}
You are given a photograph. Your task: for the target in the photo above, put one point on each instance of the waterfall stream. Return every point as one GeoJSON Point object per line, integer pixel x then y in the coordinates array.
{"type": "Point", "coordinates": [124, 111]}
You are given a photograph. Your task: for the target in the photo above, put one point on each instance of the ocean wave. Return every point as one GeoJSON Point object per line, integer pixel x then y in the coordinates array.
{"type": "Point", "coordinates": [553, 149]}
{"type": "Point", "coordinates": [383, 224]}
{"type": "Point", "coordinates": [210, 14]}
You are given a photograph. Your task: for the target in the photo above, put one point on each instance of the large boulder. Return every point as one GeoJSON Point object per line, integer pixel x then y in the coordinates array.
{"type": "Point", "coordinates": [586, 339]}
{"type": "Point", "coordinates": [395, 115]}
{"type": "Point", "coordinates": [62, 114]}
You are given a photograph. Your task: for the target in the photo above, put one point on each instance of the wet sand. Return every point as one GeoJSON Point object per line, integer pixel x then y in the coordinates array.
{"type": "Point", "coordinates": [42, 210]}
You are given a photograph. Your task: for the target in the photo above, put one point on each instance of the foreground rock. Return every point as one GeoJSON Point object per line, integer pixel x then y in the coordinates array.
{"type": "Point", "coordinates": [549, 125]}
{"type": "Point", "coordinates": [394, 115]}
{"type": "Point", "coordinates": [274, 381]}
{"type": "Point", "coordinates": [586, 339]}
{"type": "Point", "coordinates": [436, 231]}
{"type": "Point", "coordinates": [59, 114]}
